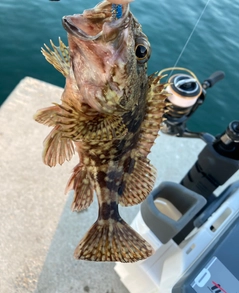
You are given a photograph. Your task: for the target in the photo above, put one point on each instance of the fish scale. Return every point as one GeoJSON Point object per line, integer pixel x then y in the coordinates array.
{"type": "Point", "coordinates": [110, 114]}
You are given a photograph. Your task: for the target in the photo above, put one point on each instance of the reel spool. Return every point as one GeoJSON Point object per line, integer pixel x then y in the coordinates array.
{"type": "Point", "coordinates": [184, 90]}
{"type": "Point", "coordinates": [186, 94]}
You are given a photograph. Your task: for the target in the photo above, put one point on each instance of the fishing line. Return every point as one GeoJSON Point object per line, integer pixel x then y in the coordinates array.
{"type": "Point", "coordinates": [190, 36]}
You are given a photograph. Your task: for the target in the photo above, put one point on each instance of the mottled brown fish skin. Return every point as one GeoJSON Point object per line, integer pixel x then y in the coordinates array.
{"type": "Point", "coordinates": [111, 112]}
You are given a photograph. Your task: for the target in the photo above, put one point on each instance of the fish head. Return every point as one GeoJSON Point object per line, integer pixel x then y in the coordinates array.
{"type": "Point", "coordinates": [109, 54]}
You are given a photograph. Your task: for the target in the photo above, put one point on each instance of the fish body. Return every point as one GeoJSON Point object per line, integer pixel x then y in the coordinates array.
{"type": "Point", "coordinates": [110, 115]}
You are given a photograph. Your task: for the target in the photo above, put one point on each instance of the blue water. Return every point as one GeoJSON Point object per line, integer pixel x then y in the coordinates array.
{"type": "Point", "coordinates": [26, 25]}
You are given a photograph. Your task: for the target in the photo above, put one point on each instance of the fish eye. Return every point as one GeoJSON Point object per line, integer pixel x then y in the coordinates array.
{"type": "Point", "coordinates": [142, 50]}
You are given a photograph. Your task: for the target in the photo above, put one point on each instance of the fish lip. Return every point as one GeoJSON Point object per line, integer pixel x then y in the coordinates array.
{"type": "Point", "coordinates": [72, 29]}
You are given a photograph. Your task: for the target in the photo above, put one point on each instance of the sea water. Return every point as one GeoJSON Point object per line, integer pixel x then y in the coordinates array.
{"type": "Point", "coordinates": [211, 45]}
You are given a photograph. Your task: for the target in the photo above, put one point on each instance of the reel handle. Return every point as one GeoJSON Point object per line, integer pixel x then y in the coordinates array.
{"type": "Point", "coordinates": [212, 79]}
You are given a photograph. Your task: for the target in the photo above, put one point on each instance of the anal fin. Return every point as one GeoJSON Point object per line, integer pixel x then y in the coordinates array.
{"type": "Point", "coordinates": [111, 240]}
{"type": "Point", "coordinates": [80, 182]}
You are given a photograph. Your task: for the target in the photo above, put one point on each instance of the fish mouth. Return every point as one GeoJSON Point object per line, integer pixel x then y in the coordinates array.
{"type": "Point", "coordinates": [102, 21]}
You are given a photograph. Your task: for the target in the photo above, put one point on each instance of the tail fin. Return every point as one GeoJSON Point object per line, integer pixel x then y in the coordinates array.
{"type": "Point", "coordinates": [109, 240]}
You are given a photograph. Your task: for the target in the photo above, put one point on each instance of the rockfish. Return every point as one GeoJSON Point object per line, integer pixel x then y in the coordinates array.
{"type": "Point", "coordinates": [110, 113]}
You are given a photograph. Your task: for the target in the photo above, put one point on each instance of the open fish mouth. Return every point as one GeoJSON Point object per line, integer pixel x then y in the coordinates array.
{"type": "Point", "coordinates": [105, 21]}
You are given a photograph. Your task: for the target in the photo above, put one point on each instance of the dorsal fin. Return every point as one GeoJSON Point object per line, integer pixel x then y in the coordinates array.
{"type": "Point", "coordinates": [59, 57]}
{"type": "Point", "coordinates": [137, 182]}
{"type": "Point", "coordinates": [156, 107]}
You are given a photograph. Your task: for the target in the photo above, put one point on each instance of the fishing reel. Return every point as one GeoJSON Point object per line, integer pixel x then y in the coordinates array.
{"type": "Point", "coordinates": [194, 233]}
{"type": "Point", "coordinates": [186, 95]}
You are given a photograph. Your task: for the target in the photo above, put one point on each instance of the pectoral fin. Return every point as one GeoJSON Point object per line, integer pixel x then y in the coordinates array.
{"type": "Point", "coordinates": [75, 125]}
{"type": "Point", "coordinates": [57, 149]}
{"type": "Point", "coordinates": [101, 129]}
{"type": "Point", "coordinates": [48, 116]}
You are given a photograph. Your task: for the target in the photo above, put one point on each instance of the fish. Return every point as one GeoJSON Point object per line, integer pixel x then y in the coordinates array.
{"type": "Point", "coordinates": [110, 115]}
